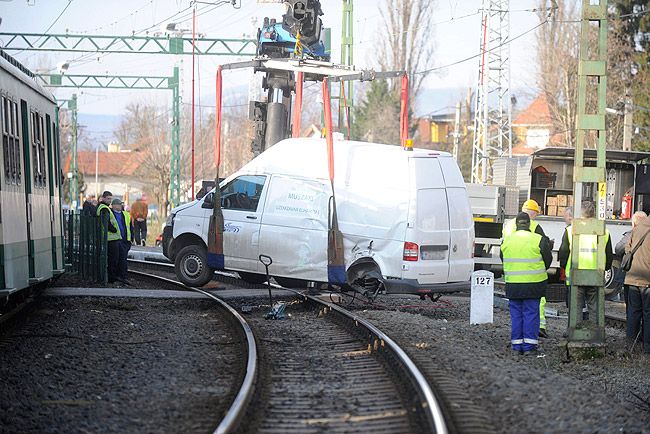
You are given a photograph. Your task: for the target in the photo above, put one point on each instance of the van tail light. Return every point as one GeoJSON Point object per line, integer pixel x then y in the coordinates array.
{"type": "Point", "coordinates": [410, 251]}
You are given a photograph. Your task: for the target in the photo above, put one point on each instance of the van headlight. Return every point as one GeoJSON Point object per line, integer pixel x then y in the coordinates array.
{"type": "Point", "coordinates": [170, 219]}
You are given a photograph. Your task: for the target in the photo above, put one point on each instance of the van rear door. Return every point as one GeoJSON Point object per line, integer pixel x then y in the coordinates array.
{"type": "Point", "coordinates": [461, 223]}
{"type": "Point", "coordinates": [428, 222]}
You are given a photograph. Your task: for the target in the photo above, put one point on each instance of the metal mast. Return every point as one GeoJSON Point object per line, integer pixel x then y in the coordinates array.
{"type": "Point", "coordinates": [346, 92]}
{"type": "Point", "coordinates": [492, 128]}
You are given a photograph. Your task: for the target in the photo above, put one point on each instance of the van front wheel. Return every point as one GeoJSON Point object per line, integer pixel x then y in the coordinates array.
{"type": "Point", "coordinates": [191, 266]}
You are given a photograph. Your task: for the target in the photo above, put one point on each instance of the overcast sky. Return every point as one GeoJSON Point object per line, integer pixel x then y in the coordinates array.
{"type": "Point", "coordinates": [456, 37]}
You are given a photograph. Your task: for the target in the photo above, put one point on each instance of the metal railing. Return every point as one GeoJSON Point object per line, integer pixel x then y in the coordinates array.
{"type": "Point", "coordinates": [86, 245]}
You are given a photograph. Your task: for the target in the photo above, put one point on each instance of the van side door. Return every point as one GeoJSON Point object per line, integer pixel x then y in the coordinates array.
{"type": "Point", "coordinates": [242, 202]}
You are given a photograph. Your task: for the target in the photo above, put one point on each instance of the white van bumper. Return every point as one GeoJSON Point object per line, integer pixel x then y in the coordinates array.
{"type": "Point", "coordinates": [412, 286]}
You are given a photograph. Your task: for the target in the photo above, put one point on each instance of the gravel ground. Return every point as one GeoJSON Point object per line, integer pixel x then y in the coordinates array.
{"type": "Point", "coordinates": [69, 280]}
{"type": "Point", "coordinates": [117, 365]}
{"type": "Point", "coordinates": [522, 393]}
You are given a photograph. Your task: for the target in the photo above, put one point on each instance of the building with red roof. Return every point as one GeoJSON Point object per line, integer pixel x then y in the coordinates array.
{"type": "Point", "coordinates": [533, 127]}
{"type": "Point", "coordinates": [115, 170]}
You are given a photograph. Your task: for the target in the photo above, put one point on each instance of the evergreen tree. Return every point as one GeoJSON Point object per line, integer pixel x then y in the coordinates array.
{"type": "Point", "coordinates": [377, 117]}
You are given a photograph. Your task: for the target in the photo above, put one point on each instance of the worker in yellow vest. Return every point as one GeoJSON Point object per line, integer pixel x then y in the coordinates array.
{"type": "Point", "coordinates": [587, 259]}
{"type": "Point", "coordinates": [526, 256]}
{"type": "Point", "coordinates": [120, 246]}
{"type": "Point", "coordinates": [531, 208]}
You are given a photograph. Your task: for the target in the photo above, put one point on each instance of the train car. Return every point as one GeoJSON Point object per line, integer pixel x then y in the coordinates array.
{"type": "Point", "coordinates": [31, 232]}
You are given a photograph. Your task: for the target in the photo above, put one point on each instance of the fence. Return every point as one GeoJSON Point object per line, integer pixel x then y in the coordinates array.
{"type": "Point", "coordinates": [86, 245]}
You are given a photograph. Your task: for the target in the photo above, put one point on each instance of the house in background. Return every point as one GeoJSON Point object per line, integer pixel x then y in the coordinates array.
{"type": "Point", "coordinates": [435, 132]}
{"type": "Point", "coordinates": [533, 128]}
{"type": "Point", "coordinates": [116, 170]}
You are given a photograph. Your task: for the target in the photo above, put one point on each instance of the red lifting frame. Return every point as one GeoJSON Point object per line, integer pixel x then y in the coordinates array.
{"type": "Point", "coordinates": [217, 123]}
{"type": "Point", "coordinates": [297, 108]}
{"type": "Point", "coordinates": [327, 112]}
{"type": "Point", "coordinates": [404, 111]}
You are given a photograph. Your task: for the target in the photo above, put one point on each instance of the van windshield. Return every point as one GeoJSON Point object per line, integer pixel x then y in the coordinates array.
{"type": "Point", "coordinates": [243, 192]}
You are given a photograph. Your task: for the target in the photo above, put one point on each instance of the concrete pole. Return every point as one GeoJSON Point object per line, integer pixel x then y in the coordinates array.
{"type": "Point", "coordinates": [627, 125]}
{"type": "Point", "coordinates": [457, 131]}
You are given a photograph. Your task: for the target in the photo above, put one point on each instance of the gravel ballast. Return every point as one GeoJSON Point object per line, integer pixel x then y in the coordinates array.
{"type": "Point", "coordinates": [81, 364]}
{"type": "Point", "coordinates": [524, 393]}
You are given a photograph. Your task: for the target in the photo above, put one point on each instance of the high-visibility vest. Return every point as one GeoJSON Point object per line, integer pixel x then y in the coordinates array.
{"type": "Point", "coordinates": [127, 222]}
{"type": "Point", "coordinates": [111, 236]}
{"type": "Point", "coordinates": [511, 227]}
{"type": "Point", "coordinates": [588, 255]}
{"type": "Point", "coordinates": [522, 258]}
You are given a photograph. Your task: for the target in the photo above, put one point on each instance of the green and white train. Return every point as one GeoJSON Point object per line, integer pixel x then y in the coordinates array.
{"type": "Point", "coordinates": [31, 233]}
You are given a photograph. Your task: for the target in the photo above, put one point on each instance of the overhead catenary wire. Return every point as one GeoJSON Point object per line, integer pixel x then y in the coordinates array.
{"type": "Point", "coordinates": [437, 68]}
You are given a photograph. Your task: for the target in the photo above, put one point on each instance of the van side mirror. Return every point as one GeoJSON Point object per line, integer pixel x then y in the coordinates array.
{"type": "Point", "coordinates": [208, 201]}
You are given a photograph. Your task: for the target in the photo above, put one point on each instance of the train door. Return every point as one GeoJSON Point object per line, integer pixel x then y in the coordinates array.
{"type": "Point", "coordinates": [36, 195]}
{"type": "Point", "coordinates": [27, 133]}
{"type": "Point", "coordinates": [53, 184]}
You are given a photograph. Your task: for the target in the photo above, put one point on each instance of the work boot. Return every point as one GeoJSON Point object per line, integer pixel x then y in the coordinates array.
{"type": "Point", "coordinates": [542, 333]}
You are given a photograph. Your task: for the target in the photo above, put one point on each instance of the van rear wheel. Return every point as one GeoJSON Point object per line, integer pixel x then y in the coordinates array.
{"type": "Point", "coordinates": [191, 266]}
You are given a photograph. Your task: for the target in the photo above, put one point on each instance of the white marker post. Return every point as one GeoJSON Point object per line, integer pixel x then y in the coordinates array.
{"type": "Point", "coordinates": [481, 305]}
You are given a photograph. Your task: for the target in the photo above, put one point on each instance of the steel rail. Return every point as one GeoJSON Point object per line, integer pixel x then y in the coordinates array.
{"type": "Point", "coordinates": [430, 404]}
{"type": "Point", "coordinates": [239, 405]}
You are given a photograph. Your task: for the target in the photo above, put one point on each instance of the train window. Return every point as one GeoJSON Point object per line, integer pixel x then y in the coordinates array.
{"type": "Point", "coordinates": [38, 150]}
{"type": "Point", "coordinates": [11, 141]}
{"type": "Point", "coordinates": [51, 143]}
{"type": "Point", "coordinates": [17, 162]}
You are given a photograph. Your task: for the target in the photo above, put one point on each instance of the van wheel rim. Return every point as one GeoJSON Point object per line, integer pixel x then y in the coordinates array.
{"type": "Point", "coordinates": [192, 266]}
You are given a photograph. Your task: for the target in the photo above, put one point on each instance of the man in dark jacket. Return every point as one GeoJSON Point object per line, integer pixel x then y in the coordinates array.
{"type": "Point", "coordinates": [638, 281]}
{"type": "Point", "coordinates": [526, 256]}
{"type": "Point", "coordinates": [619, 251]}
{"type": "Point", "coordinates": [587, 258]}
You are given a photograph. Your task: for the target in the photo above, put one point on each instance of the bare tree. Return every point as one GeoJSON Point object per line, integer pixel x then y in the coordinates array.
{"type": "Point", "coordinates": [408, 39]}
{"type": "Point", "coordinates": [558, 43]}
{"type": "Point", "coordinates": [557, 58]}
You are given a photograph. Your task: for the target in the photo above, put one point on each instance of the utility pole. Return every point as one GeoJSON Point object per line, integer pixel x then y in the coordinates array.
{"type": "Point", "coordinates": [346, 93]}
{"type": "Point", "coordinates": [585, 338]}
{"type": "Point", "coordinates": [492, 128]}
{"type": "Point", "coordinates": [627, 124]}
{"type": "Point", "coordinates": [456, 131]}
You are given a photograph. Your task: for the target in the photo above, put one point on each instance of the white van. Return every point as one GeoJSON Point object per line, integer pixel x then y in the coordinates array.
{"type": "Point", "coordinates": [405, 218]}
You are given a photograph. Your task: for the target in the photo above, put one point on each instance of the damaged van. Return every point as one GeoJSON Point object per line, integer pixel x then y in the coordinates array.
{"type": "Point", "coordinates": [404, 216]}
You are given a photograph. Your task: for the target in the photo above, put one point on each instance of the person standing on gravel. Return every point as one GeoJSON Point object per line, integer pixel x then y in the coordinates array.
{"type": "Point", "coordinates": [637, 280]}
{"type": "Point", "coordinates": [619, 251]}
{"type": "Point", "coordinates": [531, 207]}
{"type": "Point", "coordinates": [587, 259]}
{"type": "Point", "coordinates": [109, 226]}
{"type": "Point", "coordinates": [139, 212]}
{"type": "Point", "coordinates": [526, 256]}
{"type": "Point", "coordinates": [122, 245]}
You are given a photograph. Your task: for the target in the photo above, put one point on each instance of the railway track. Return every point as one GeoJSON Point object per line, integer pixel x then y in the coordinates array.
{"type": "Point", "coordinates": [326, 370]}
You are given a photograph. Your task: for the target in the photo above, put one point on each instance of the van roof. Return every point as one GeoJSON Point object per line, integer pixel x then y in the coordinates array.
{"type": "Point", "coordinates": [307, 157]}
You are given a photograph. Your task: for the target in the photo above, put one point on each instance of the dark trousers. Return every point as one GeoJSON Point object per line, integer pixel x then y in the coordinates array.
{"type": "Point", "coordinates": [140, 232]}
{"type": "Point", "coordinates": [524, 315]}
{"type": "Point", "coordinates": [639, 312]}
{"type": "Point", "coordinates": [117, 255]}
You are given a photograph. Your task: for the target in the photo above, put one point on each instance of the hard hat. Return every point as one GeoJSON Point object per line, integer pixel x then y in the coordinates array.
{"type": "Point", "coordinates": [531, 205]}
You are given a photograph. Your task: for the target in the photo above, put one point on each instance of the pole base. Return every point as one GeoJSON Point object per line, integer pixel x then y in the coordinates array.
{"type": "Point", "coordinates": [585, 350]}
